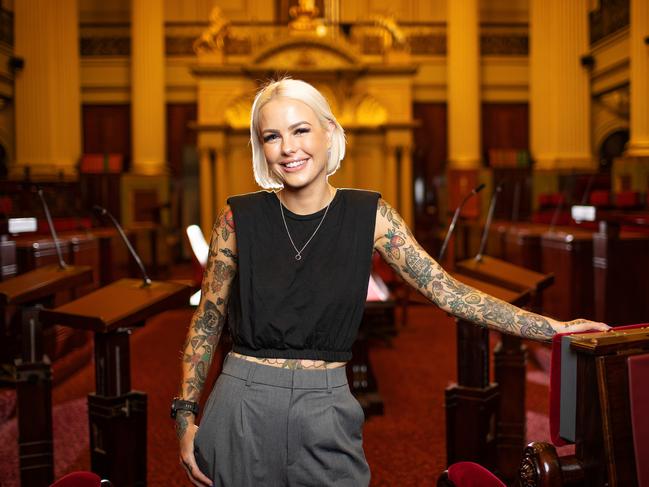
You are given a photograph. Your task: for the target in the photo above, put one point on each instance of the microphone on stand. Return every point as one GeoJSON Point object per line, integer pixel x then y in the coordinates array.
{"type": "Point", "coordinates": [456, 215]}
{"type": "Point", "coordinates": [104, 212]}
{"type": "Point", "coordinates": [490, 216]}
{"type": "Point", "coordinates": [62, 263]}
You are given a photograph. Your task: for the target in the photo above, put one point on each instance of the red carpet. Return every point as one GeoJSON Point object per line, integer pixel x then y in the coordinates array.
{"type": "Point", "coordinates": [404, 448]}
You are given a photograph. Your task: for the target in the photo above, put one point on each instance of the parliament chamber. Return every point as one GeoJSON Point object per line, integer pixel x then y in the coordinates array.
{"type": "Point", "coordinates": [512, 136]}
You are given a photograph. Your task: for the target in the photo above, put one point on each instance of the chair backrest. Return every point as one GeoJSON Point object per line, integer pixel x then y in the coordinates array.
{"type": "Point", "coordinates": [79, 479]}
{"type": "Point", "coordinates": [198, 243]}
{"type": "Point", "coordinates": [638, 370]}
{"type": "Point", "coordinates": [469, 474]}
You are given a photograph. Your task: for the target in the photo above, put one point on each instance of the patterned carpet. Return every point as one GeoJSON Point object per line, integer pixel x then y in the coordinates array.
{"type": "Point", "coordinates": [405, 447]}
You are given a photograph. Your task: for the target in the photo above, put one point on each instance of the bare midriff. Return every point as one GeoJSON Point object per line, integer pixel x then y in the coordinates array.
{"type": "Point", "coordinates": [290, 363]}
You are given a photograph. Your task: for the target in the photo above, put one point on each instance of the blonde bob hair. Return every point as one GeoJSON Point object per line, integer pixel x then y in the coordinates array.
{"type": "Point", "coordinates": [307, 94]}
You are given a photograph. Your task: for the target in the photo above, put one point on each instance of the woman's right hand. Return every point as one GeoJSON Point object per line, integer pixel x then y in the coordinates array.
{"type": "Point", "coordinates": [186, 431]}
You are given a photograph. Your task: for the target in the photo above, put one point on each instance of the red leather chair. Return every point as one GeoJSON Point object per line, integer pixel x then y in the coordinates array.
{"type": "Point", "coordinates": [81, 479]}
{"type": "Point", "coordinates": [550, 200]}
{"type": "Point", "coordinates": [628, 199]}
{"type": "Point", "coordinates": [600, 198]}
{"type": "Point", "coordinates": [468, 474]}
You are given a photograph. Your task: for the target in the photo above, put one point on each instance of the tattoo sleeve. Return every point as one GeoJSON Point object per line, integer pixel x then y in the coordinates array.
{"type": "Point", "coordinates": [401, 251]}
{"type": "Point", "coordinates": [209, 318]}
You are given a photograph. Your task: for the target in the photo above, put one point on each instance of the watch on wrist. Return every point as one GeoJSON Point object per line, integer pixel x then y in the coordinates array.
{"type": "Point", "coordinates": [182, 405]}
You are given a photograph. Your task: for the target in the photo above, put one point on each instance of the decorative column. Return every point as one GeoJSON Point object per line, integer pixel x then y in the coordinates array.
{"type": "Point", "coordinates": [542, 143]}
{"type": "Point", "coordinates": [390, 188]}
{"type": "Point", "coordinates": [406, 181]}
{"type": "Point", "coordinates": [207, 166]}
{"type": "Point", "coordinates": [47, 98]}
{"type": "Point", "coordinates": [214, 174]}
{"type": "Point", "coordinates": [639, 74]}
{"type": "Point", "coordinates": [571, 111]}
{"type": "Point", "coordinates": [463, 84]}
{"type": "Point", "coordinates": [559, 85]}
{"type": "Point", "coordinates": [148, 87]}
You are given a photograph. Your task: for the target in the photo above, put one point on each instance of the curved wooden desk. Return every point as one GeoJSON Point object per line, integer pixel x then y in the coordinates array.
{"type": "Point", "coordinates": [30, 292]}
{"type": "Point", "coordinates": [117, 414]}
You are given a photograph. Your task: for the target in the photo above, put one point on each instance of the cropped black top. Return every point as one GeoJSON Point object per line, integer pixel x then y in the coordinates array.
{"type": "Point", "coordinates": [311, 308]}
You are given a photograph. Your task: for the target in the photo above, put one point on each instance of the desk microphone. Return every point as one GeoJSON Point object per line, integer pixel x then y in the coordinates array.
{"type": "Point", "coordinates": [456, 215]}
{"type": "Point", "coordinates": [62, 263]}
{"type": "Point", "coordinates": [104, 212]}
{"type": "Point", "coordinates": [487, 225]}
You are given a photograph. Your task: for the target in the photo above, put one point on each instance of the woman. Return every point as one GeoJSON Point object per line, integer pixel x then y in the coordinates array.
{"type": "Point", "coordinates": [291, 269]}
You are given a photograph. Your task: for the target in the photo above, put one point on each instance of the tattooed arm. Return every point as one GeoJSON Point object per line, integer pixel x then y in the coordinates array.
{"type": "Point", "coordinates": [204, 333]}
{"type": "Point", "coordinates": [400, 250]}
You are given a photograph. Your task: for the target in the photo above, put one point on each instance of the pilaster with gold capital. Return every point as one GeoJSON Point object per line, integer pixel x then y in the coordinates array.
{"type": "Point", "coordinates": [345, 176]}
{"type": "Point", "coordinates": [47, 89]}
{"type": "Point", "coordinates": [559, 86]}
{"type": "Point", "coordinates": [398, 176]}
{"type": "Point", "coordinates": [390, 188]}
{"type": "Point", "coordinates": [148, 87]}
{"type": "Point", "coordinates": [207, 165]}
{"type": "Point", "coordinates": [639, 74]}
{"type": "Point", "coordinates": [463, 84]}
{"type": "Point", "coordinates": [571, 119]}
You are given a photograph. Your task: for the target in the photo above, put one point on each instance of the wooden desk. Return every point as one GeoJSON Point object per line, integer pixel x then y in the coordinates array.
{"type": "Point", "coordinates": [523, 246]}
{"type": "Point", "coordinates": [32, 376]}
{"type": "Point", "coordinates": [115, 260]}
{"type": "Point", "coordinates": [117, 414]}
{"type": "Point", "coordinates": [505, 274]}
{"type": "Point", "coordinates": [378, 323]}
{"type": "Point", "coordinates": [621, 275]}
{"type": "Point", "coordinates": [34, 251]}
{"type": "Point", "coordinates": [77, 248]}
{"type": "Point", "coordinates": [604, 454]}
{"type": "Point", "coordinates": [42, 283]}
{"type": "Point", "coordinates": [569, 255]}
{"type": "Point", "coordinates": [472, 404]}
{"type": "Point", "coordinates": [8, 266]}
{"type": "Point", "coordinates": [510, 355]}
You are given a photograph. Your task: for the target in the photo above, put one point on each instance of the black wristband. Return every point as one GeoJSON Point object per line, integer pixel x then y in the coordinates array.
{"type": "Point", "coordinates": [182, 405]}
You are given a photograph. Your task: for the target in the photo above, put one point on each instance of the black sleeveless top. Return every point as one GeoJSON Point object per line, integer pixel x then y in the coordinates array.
{"type": "Point", "coordinates": [311, 308]}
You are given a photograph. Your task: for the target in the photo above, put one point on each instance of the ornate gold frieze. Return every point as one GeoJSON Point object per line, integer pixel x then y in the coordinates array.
{"type": "Point", "coordinates": [427, 44]}
{"type": "Point", "coordinates": [504, 45]}
{"type": "Point", "coordinates": [611, 16]}
{"type": "Point", "coordinates": [174, 46]}
{"type": "Point", "coordinates": [179, 46]}
{"type": "Point", "coordinates": [105, 46]}
{"type": "Point", "coordinates": [366, 39]}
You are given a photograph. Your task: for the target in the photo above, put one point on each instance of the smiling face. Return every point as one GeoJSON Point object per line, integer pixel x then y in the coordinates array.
{"type": "Point", "coordinates": [294, 141]}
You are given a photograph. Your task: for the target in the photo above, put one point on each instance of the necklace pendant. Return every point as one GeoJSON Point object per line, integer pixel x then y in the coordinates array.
{"type": "Point", "coordinates": [298, 257]}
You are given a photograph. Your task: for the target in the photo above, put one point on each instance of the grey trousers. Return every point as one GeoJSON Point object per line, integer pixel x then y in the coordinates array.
{"type": "Point", "coordinates": [268, 426]}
